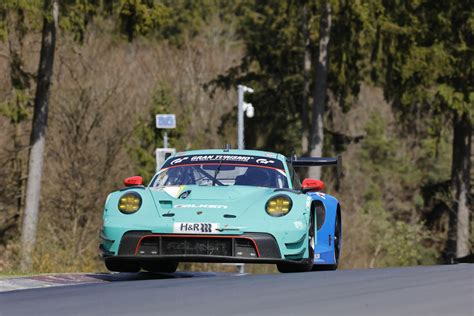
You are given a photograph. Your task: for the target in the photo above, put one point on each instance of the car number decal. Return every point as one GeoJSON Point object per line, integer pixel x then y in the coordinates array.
{"type": "Point", "coordinates": [195, 228]}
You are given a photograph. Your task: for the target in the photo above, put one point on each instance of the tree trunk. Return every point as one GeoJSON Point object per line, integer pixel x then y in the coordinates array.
{"type": "Point", "coordinates": [459, 219]}
{"type": "Point", "coordinates": [306, 83]}
{"type": "Point", "coordinates": [319, 94]}
{"type": "Point", "coordinates": [38, 134]}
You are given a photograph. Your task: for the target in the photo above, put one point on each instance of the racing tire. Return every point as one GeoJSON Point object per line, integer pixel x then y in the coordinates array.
{"type": "Point", "coordinates": [337, 248]}
{"type": "Point", "coordinates": [304, 265]}
{"type": "Point", "coordinates": [122, 266]}
{"type": "Point", "coordinates": [161, 267]}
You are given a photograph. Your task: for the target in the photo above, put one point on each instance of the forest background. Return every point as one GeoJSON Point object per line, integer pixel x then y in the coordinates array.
{"type": "Point", "coordinates": [388, 85]}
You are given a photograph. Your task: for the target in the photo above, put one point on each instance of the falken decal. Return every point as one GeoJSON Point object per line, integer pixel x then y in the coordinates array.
{"type": "Point", "coordinates": [217, 206]}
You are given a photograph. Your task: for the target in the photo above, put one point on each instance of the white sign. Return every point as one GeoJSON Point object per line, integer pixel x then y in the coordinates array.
{"type": "Point", "coordinates": [165, 121]}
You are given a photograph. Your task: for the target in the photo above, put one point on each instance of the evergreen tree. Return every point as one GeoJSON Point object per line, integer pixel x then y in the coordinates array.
{"type": "Point", "coordinates": [284, 47]}
{"type": "Point", "coordinates": [427, 66]}
{"type": "Point", "coordinates": [15, 20]}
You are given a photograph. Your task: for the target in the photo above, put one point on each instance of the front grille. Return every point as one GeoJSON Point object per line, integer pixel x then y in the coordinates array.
{"type": "Point", "coordinates": [165, 245]}
{"type": "Point", "coordinates": [249, 245]}
{"type": "Point", "coordinates": [196, 246]}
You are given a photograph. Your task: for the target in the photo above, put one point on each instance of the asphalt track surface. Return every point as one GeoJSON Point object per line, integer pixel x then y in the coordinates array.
{"type": "Point", "coordinates": [431, 290]}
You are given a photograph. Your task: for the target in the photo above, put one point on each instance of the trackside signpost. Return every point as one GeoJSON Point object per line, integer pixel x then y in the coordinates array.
{"type": "Point", "coordinates": [242, 107]}
{"type": "Point", "coordinates": [164, 121]}
{"type": "Point", "coordinates": [248, 108]}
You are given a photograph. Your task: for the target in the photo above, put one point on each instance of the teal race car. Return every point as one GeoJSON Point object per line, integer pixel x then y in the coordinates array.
{"type": "Point", "coordinates": [239, 206]}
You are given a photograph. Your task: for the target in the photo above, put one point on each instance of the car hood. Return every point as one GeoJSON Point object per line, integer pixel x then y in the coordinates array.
{"type": "Point", "coordinates": [209, 200]}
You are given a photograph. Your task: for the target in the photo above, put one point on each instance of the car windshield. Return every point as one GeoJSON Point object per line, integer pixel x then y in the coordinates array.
{"type": "Point", "coordinates": [220, 173]}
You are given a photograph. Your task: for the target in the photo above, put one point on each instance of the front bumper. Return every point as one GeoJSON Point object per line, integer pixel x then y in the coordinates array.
{"type": "Point", "coordinates": [194, 258]}
{"type": "Point", "coordinates": [288, 236]}
{"type": "Point", "coordinates": [146, 246]}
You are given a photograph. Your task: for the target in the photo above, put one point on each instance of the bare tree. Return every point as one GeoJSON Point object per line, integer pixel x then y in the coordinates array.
{"type": "Point", "coordinates": [38, 133]}
{"type": "Point", "coordinates": [319, 93]}
{"type": "Point", "coordinates": [459, 219]}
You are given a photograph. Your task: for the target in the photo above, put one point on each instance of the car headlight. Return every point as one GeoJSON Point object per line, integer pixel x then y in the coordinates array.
{"type": "Point", "coordinates": [279, 205]}
{"type": "Point", "coordinates": [129, 203]}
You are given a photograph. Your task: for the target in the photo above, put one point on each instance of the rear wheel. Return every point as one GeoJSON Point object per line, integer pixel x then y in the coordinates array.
{"type": "Point", "coordinates": [306, 264]}
{"type": "Point", "coordinates": [122, 266]}
{"type": "Point", "coordinates": [161, 267]}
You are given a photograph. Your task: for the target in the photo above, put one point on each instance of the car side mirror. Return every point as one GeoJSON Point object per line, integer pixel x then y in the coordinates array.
{"type": "Point", "coordinates": [312, 185]}
{"type": "Point", "coordinates": [133, 181]}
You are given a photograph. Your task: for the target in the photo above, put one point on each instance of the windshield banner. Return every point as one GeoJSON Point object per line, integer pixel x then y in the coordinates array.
{"type": "Point", "coordinates": [225, 159]}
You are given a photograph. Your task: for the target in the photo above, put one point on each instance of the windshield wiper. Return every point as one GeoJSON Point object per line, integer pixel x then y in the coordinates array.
{"type": "Point", "coordinates": [217, 172]}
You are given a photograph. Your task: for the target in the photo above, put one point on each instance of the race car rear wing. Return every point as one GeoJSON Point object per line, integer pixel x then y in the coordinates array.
{"type": "Point", "coordinates": [317, 162]}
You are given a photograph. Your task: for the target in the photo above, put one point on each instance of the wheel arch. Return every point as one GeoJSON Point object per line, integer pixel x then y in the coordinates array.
{"type": "Point", "coordinates": [314, 212]}
{"type": "Point", "coordinates": [325, 231]}
{"type": "Point", "coordinates": [325, 256]}
{"type": "Point", "coordinates": [331, 210]}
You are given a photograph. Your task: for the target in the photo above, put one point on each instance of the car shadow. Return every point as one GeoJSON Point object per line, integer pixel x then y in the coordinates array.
{"type": "Point", "coordinates": [129, 276]}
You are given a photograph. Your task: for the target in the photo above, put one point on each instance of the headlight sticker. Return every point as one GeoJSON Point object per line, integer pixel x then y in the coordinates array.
{"type": "Point", "coordinates": [129, 203]}
{"type": "Point", "coordinates": [278, 205]}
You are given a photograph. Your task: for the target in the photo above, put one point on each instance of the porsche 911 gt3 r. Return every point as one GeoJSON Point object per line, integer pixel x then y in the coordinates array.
{"type": "Point", "coordinates": [240, 206]}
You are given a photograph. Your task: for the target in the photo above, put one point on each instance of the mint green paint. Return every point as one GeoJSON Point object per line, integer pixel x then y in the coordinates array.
{"type": "Point", "coordinates": [208, 204]}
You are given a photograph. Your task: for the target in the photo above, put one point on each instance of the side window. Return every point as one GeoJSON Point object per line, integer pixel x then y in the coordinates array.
{"type": "Point", "coordinates": [295, 180]}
